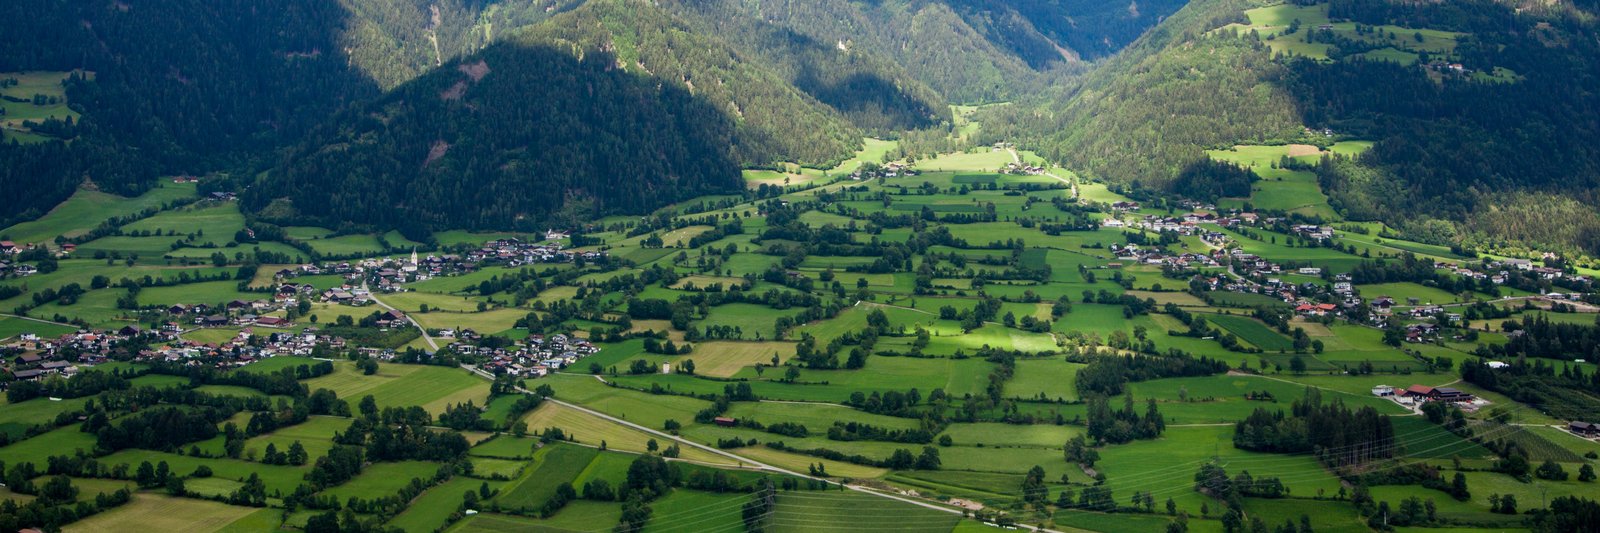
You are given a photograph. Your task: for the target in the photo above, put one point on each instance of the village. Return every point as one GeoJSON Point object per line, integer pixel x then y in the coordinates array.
{"type": "Point", "coordinates": [30, 357]}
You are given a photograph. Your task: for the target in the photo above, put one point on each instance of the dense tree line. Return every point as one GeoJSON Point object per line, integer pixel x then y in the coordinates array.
{"type": "Point", "coordinates": [402, 434]}
{"type": "Point", "coordinates": [1108, 375]}
{"type": "Point", "coordinates": [1544, 338]}
{"type": "Point", "coordinates": [86, 383]}
{"type": "Point", "coordinates": [1123, 425]}
{"type": "Point", "coordinates": [1566, 393]}
{"type": "Point", "coordinates": [1211, 180]}
{"type": "Point", "coordinates": [56, 503]}
{"type": "Point", "coordinates": [1338, 435]}
{"type": "Point", "coordinates": [162, 428]}
{"type": "Point", "coordinates": [284, 381]}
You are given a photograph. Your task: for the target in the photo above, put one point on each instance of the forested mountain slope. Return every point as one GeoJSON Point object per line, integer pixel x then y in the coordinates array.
{"type": "Point", "coordinates": [394, 41]}
{"type": "Point", "coordinates": [774, 120]}
{"type": "Point", "coordinates": [1482, 113]}
{"type": "Point", "coordinates": [1147, 113]}
{"type": "Point", "coordinates": [179, 86]}
{"type": "Point", "coordinates": [516, 136]}
{"type": "Point", "coordinates": [968, 50]}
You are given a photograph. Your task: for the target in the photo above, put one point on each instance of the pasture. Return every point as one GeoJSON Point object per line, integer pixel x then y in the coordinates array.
{"type": "Point", "coordinates": [400, 385]}
{"type": "Point", "coordinates": [1252, 331]}
{"type": "Point", "coordinates": [492, 321]}
{"type": "Point", "coordinates": [727, 358]}
{"type": "Point", "coordinates": [806, 511]}
{"type": "Point", "coordinates": [347, 245]}
{"type": "Point", "coordinates": [155, 513]}
{"type": "Point", "coordinates": [552, 466]}
{"type": "Point", "coordinates": [86, 209]}
{"type": "Point", "coordinates": [275, 477]}
{"type": "Point", "coordinates": [14, 326]}
{"type": "Point", "coordinates": [43, 98]}
{"type": "Point", "coordinates": [692, 511]}
{"type": "Point", "coordinates": [1048, 378]}
{"type": "Point", "coordinates": [211, 223]}
{"type": "Point", "coordinates": [315, 435]}
{"type": "Point", "coordinates": [590, 430]}
{"type": "Point", "coordinates": [433, 508]}
{"type": "Point", "coordinates": [380, 480]}
{"type": "Point", "coordinates": [634, 406]}
{"type": "Point", "coordinates": [37, 450]}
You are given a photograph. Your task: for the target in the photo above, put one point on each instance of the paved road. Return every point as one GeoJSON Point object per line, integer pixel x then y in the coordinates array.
{"type": "Point", "coordinates": [1074, 185]}
{"type": "Point", "coordinates": [744, 461]}
{"type": "Point", "coordinates": [425, 336]}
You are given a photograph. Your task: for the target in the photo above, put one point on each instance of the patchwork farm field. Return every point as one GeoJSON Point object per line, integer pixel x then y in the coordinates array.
{"type": "Point", "coordinates": [394, 385]}
{"type": "Point", "coordinates": [151, 513]}
{"type": "Point", "coordinates": [946, 337]}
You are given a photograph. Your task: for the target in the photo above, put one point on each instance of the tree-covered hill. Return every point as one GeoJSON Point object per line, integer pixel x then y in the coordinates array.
{"type": "Point", "coordinates": [517, 136]}
{"type": "Point", "coordinates": [177, 86]}
{"type": "Point", "coordinates": [1482, 112]}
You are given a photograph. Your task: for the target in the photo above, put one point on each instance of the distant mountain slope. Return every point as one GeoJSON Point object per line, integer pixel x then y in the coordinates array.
{"type": "Point", "coordinates": [928, 39]}
{"type": "Point", "coordinates": [774, 120]}
{"type": "Point", "coordinates": [968, 50]}
{"type": "Point", "coordinates": [1483, 114]}
{"type": "Point", "coordinates": [1046, 31]}
{"type": "Point", "coordinates": [1147, 113]}
{"type": "Point", "coordinates": [516, 136]}
{"type": "Point", "coordinates": [873, 92]}
{"type": "Point", "coordinates": [394, 41]}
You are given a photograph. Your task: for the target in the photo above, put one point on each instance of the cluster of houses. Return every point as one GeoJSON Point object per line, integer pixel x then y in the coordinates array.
{"type": "Point", "coordinates": [1416, 394]}
{"type": "Point", "coordinates": [248, 346]}
{"type": "Point", "coordinates": [232, 313]}
{"type": "Point", "coordinates": [1501, 271]}
{"type": "Point", "coordinates": [1185, 225]}
{"type": "Point", "coordinates": [30, 357]}
{"type": "Point", "coordinates": [1130, 254]}
{"type": "Point", "coordinates": [391, 275]}
{"type": "Point", "coordinates": [1448, 67]}
{"type": "Point", "coordinates": [1240, 219]}
{"type": "Point", "coordinates": [538, 356]}
{"type": "Point", "coordinates": [887, 170]}
{"type": "Point", "coordinates": [1249, 264]}
{"type": "Point", "coordinates": [513, 252]}
{"type": "Point", "coordinates": [1314, 232]}
{"type": "Point", "coordinates": [9, 268]}
{"type": "Point", "coordinates": [1022, 169]}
